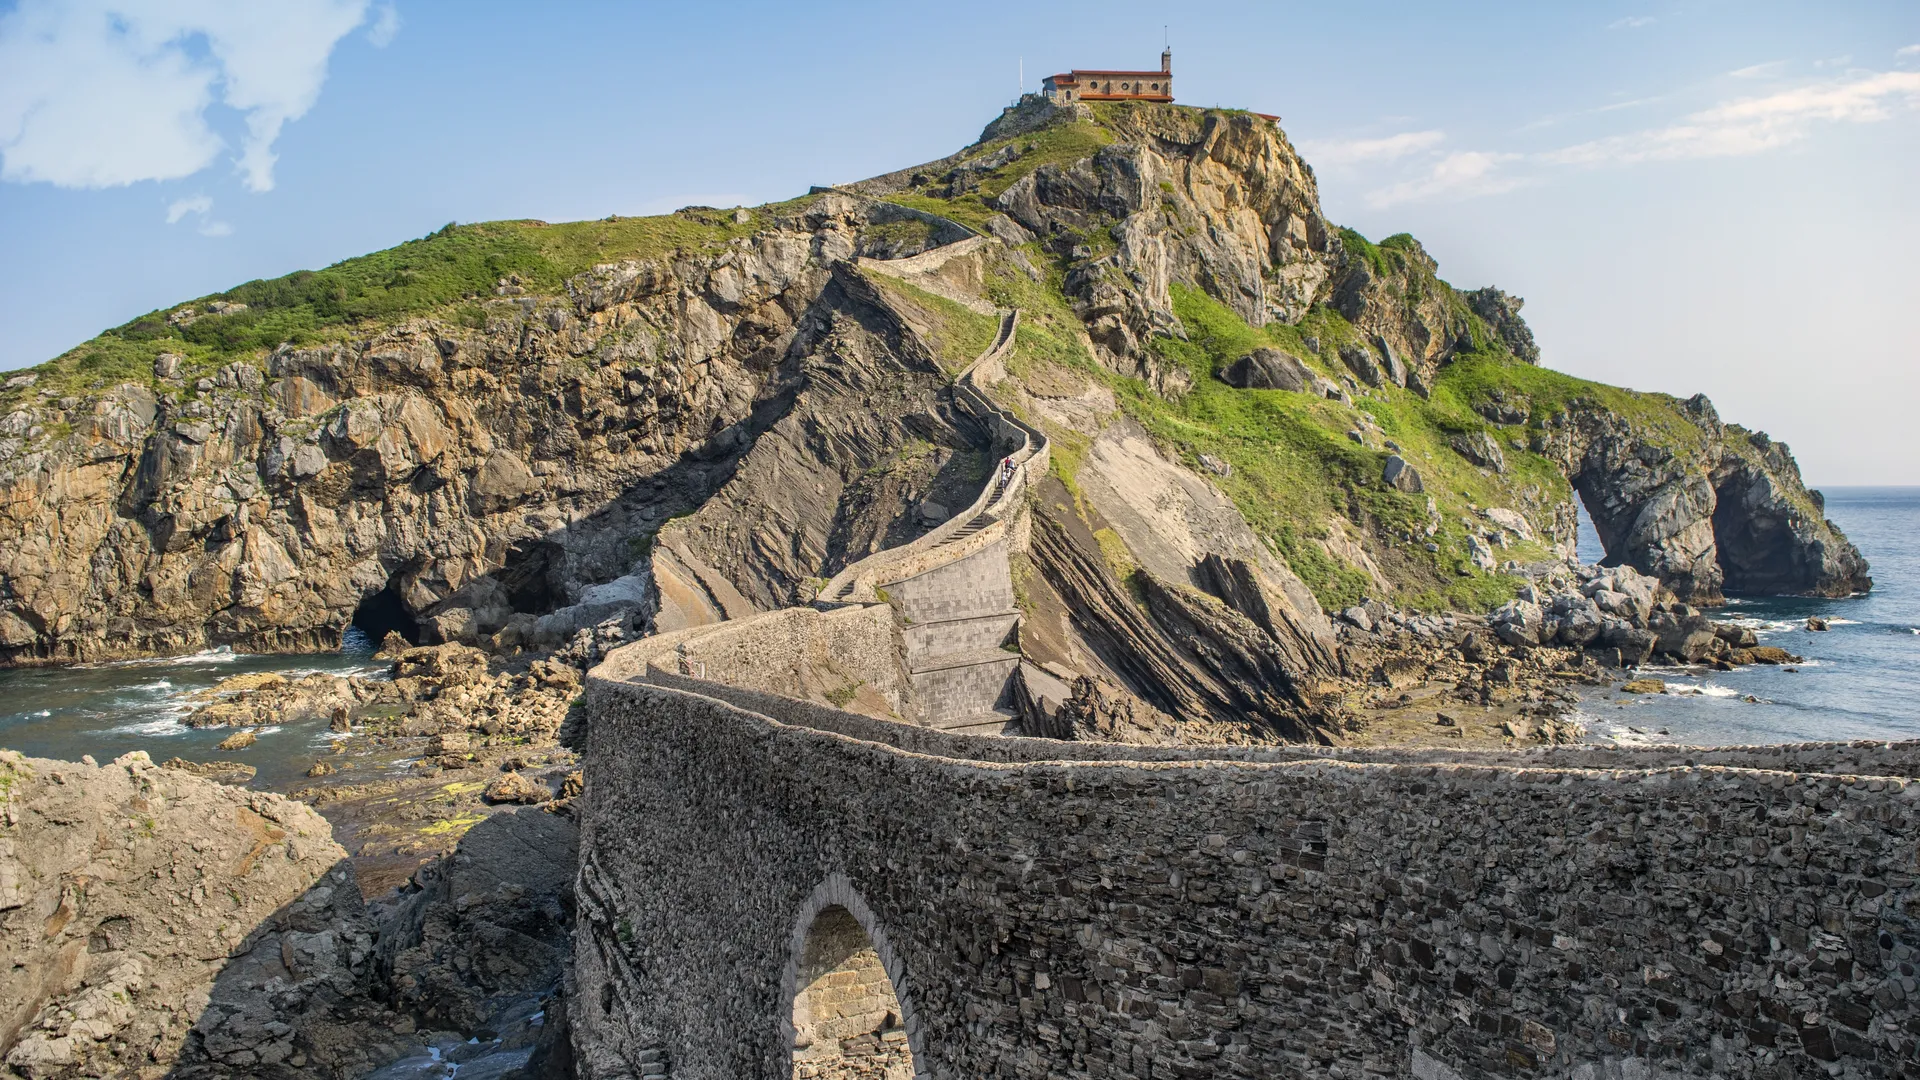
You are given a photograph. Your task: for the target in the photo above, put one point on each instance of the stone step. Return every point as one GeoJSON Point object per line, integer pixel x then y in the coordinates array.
{"type": "Point", "coordinates": [986, 723]}
{"type": "Point", "coordinates": [965, 658]}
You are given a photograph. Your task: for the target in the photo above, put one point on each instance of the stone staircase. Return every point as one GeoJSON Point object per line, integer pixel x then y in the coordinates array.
{"type": "Point", "coordinates": [948, 593]}
{"type": "Point", "coordinates": [951, 588]}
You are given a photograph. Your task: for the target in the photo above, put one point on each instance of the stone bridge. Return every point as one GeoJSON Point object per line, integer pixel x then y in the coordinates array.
{"type": "Point", "coordinates": [775, 888]}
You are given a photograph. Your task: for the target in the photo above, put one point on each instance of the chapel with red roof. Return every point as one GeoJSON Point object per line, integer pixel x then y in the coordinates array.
{"type": "Point", "coordinates": [1077, 85]}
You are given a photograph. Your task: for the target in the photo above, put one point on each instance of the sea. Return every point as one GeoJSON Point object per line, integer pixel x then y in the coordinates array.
{"type": "Point", "coordinates": [1859, 680]}
{"type": "Point", "coordinates": [110, 709]}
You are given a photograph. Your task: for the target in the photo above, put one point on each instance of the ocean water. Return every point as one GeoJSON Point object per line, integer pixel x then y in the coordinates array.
{"type": "Point", "coordinates": [110, 709]}
{"type": "Point", "coordinates": [1861, 679]}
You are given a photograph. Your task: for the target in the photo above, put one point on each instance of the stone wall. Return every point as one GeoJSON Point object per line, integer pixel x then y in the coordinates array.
{"type": "Point", "coordinates": [1158, 912]}
{"type": "Point", "coordinates": [769, 651]}
{"type": "Point", "coordinates": [846, 1015]}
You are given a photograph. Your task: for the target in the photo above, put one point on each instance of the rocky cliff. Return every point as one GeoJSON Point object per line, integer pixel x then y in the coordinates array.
{"type": "Point", "coordinates": [506, 434]}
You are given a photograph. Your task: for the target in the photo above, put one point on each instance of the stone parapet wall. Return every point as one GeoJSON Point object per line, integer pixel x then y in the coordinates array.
{"type": "Point", "coordinates": [768, 651]}
{"type": "Point", "coordinates": [1212, 912]}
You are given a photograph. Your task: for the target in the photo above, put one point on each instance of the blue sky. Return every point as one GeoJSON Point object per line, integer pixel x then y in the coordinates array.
{"type": "Point", "coordinates": [1709, 196]}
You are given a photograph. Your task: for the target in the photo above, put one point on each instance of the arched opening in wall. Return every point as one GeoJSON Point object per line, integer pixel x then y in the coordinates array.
{"type": "Point", "coordinates": [379, 614]}
{"type": "Point", "coordinates": [847, 1019]}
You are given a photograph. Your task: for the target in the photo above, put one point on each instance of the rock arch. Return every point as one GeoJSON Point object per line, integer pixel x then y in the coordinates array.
{"type": "Point", "coordinates": [844, 981]}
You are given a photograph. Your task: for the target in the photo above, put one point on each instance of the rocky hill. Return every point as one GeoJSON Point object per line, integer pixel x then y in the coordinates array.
{"type": "Point", "coordinates": [515, 433]}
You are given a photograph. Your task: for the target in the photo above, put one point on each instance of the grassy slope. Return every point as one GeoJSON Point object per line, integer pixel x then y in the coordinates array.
{"type": "Point", "coordinates": [956, 334]}
{"type": "Point", "coordinates": [447, 273]}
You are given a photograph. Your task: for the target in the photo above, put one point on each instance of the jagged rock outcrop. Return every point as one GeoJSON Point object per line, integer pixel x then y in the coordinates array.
{"type": "Point", "coordinates": [1187, 654]}
{"type": "Point", "coordinates": [474, 934]}
{"type": "Point", "coordinates": [156, 923]}
{"type": "Point", "coordinates": [153, 919]}
{"type": "Point", "coordinates": [478, 475]}
{"type": "Point", "coordinates": [1690, 503]}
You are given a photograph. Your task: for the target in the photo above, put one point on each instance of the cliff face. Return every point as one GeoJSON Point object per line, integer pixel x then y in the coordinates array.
{"type": "Point", "coordinates": [507, 433]}
{"type": "Point", "coordinates": [482, 469]}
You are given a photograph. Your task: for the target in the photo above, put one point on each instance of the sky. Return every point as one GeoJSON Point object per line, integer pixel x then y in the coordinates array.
{"type": "Point", "coordinates": [1698, 196]}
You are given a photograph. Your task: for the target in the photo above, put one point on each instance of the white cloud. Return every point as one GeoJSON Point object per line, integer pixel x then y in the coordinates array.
{"type": "Point", "coordinates": [102, 93]}
{"type": "Point", "coordinates": [1632, 22]}
{"type": "Point", "coordinates": [1907, 50]}
{"type": "Point", "coordinates": [1462, 175]}
{"type": "Point", "coordinates": [1755, 71]}
{"type": "Point", "coordinates": [199, 204]}
{"type": "Point", "coordinates": [386, 24]}
{"type": "Point", "coordinates": [1752, 125]}
{"type": "Point", "coordinates": [1336, 152]}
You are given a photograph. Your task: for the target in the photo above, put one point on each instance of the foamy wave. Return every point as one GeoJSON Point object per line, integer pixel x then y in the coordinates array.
{"type": "Point", "coordinates": [164, 727]}
{"type": "Point", "coordinates": [1763, 627]}
{"type": "Point", "coordinates": [1632, 736]}
{"type": "Point", "coordinates": [1838, 621]}
{"type": "Point", "coordinates": [221, 655]}
{"type": "Point", "coordinates": [1704, 690]}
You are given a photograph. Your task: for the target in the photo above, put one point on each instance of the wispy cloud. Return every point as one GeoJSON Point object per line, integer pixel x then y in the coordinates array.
{"type": "Point", "coordinates": [1755, 124]}
{"type": "Point", "coordinates": [103, 93]}
{"type": "Point", "coordinates": [1632, 22]}
{"type": "Point", "coordinates": [1907, 50]}
{"type": "Point", "coordinates": [1741, 126]}
{"type": "Point", "coordinates": [1756, 71]}
{"type": "Point", "coordinates": [1461, 175]}
{"type": "Point", "coordinates": [385, 27]}
{"type": "Point", "coordinates": [1336, 152]}
{"type": "Point", "coordinates": [200, 206]}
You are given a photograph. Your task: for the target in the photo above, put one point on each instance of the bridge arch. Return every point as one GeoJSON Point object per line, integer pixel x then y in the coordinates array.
{"type": "Point", "coordinates": [835, 933]}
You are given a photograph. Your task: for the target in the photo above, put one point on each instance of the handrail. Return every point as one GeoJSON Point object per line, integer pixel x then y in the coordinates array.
{"type": "Point", "coordinates": [859, 583]}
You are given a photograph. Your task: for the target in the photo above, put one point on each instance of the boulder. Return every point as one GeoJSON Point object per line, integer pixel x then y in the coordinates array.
{"type": "Point", "coordinates": [1511, 520]}
{"type": "Point", "coordinates": [1362, 362]}
{"type": "Point", "coordinates": [1517, 622]}
{"type": "Point", "coordinates": [1643, 686]}
{"type": "Point", "coordinates": [514, 787]}
{"type": "Point", "coordinates": [1481, 449]}
{"type": "Point", "coordinates": [1268, 368]}
{"type": "Point", "coordinates": [1400, 475]}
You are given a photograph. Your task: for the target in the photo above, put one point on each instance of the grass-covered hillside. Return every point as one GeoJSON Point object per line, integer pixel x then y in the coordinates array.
{"type": "Point", "coordinates": [445, 274]}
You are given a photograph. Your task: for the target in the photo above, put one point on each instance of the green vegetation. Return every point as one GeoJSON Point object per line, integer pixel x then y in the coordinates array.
{"type": "Point", "coordinates": [957, 333]}
{"type": "Point", "coordinates": [452, 272]}
{"type": "Point", "coordinates": [1061, 144]}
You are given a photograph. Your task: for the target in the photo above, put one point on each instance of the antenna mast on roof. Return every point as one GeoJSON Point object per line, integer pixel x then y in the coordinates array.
{"type": "Point", "coordinates": [1023, 75]}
